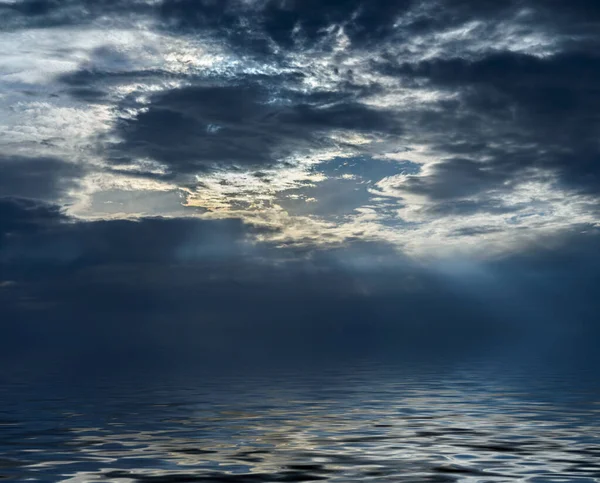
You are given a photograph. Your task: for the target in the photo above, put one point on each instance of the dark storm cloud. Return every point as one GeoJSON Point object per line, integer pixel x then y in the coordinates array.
{"type": "Point", "coordinates": [42, 178]}
{"type": "Point", "coordinates": [513, 112]}
{"type": "Point", "coordinates": [107, 68]}
{"type": "Point", "coordinates": [128, 292]}
{"type": "Point", "coordinates": [61, 13]}
{"type": "Point", "coordinates": [96, 85]}
{"type": "Point", "coordinates": [197, 128]}
{"type": "Point", "coordinates": [253, 26]}
{"type": "Point", "coordinates": [362, 20]}
{"type": "Point", "coordinates": [535, 112]}
{"type": "Point", "coordinates": [38, 233]}
{"type": "Point", "coordinates": [579, 17]}
{"type": "Point", "coordinates": [125, 290]}
{"type": "Point", "coordinates": [24, 216]}
{"type": "Point", "coordinates": [270, 27]}
{"type": "Point", "coordinates": [460, 178]}
{"type": "Point", "coordinates": [560, 277]}
{"type": "Point", "coordinates": [205, 288]}
{"type": "Point", "coordinates": [264, 26]}
{"type": "Point", "coordinates": [267, 27]}
{"type": "Point", "coordinates": [543, 90]}
{"type": "Point", "coordinates": [481, 183]}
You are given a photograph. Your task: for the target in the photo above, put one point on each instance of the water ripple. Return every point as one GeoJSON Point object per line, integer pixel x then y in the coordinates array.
{"type": "Point", "coordinates": [364, 426]}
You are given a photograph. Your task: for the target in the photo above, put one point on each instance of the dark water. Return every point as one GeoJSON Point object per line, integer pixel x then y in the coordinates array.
{"type": "Point", "coordinates": [364, 424]}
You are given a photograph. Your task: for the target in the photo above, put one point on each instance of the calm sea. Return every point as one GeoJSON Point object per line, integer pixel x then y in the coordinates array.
{"type": "Point", "coordinates": [363, 423]}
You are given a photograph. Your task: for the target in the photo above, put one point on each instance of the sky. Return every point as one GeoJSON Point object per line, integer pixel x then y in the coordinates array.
{"type": "Point", "coordinates": [230, 181]}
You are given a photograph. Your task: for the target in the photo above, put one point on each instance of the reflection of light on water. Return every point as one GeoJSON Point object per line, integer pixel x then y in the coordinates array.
{"type": "Point", "coordinates": [347, 429]}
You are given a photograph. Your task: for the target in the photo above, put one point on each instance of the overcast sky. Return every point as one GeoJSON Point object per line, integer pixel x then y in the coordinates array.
{"type": "Point", "coordinates": [280, 178]}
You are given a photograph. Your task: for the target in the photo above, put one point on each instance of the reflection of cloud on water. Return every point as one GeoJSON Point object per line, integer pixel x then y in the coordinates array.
{"type": "Point", "coordinates": [464, 430]}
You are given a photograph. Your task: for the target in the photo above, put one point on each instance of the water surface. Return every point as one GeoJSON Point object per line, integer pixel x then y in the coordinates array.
{"type": "Point", "coordinates": [359, 424]}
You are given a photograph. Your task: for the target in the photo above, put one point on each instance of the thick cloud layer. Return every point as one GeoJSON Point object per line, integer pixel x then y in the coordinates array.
{"type": "Point", "coordinates": [306, 175]}
{"type": "Point", "coordinates": [189, 292]}
{"type": "Point", "coordinates": [545, 109]}
{"type": "Point", "coordinates": [193, 129]}
{"type": "Point", "coordinates": [41, 178]}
